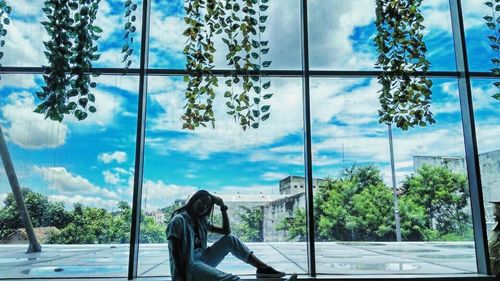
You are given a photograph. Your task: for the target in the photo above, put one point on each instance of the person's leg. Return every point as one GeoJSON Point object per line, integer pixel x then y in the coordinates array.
{"type": "Point", "coordinates": [225, 245]}
{"type": "Point", "coordinates": [232, 244]}
{"type": "Point", "coordinates": [203, 272]}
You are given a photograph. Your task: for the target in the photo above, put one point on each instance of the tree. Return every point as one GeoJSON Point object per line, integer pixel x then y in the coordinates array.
{"type": "Point", "coordinates": [443, 195]}
{"type": "Point", "coordinates": [41, 210]}
{"type": "Point", "coordinates": [295, 228]}
{"type": "Point", "coordinates": [250, 228]}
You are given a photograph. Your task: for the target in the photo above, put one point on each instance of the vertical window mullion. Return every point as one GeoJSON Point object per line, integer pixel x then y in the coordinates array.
{"type": "Point", "coordinates": [307, 143]}
{"type": "Point", "coordinates": [140, 139]}
{"type": "Point", "coordinates": [470, 141]}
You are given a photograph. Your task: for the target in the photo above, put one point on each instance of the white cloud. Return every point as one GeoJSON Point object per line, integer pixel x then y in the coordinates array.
{"type": "Point", "coordinates": [108, 157]}
{"type": "Point", "coordinates": [110, 177]}
{"type": "Point", "coordinates": [28, 129]}
{"type": "Point", "coordinates": [160, 194]}
{"type": "Point", "coordinates": [87, 201]}
{"type": "Point", "coordinates": [286, 119]}
{"type": "Point", "coordinates": [248, 190]}
{"type": "Point", "coordinates": [273, 176]}
{"type": "Point", "coordinates": [66, 183]}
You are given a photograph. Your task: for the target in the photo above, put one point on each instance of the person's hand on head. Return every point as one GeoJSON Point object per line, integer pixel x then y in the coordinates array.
{"type": "Point", "coordinates": [217, 200]}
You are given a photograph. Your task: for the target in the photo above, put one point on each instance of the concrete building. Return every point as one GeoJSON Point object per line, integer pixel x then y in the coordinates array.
{"type": "Point", "coordinates": [234, 202]}
{"type": "Point", "coordinates": [296, 184]}
{"type": "Point", "coordinates": [276, 211]}
{"type": "Point", "coordinates": [158, 216]}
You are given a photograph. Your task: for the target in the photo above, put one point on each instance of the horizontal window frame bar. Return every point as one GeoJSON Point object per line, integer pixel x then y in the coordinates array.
{"type": "Point", "coordinates": [266, 73]}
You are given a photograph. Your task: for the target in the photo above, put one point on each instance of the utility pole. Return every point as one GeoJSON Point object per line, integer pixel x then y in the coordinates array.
{"type": "Point", "coordinates": [394, 191]}
{"type": "Point", "coordinates": [16, 190]}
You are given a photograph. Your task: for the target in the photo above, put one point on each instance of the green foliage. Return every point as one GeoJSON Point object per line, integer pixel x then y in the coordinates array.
{"type": "Point", "coordinates": [492, 22]}
{"type": "Point", "coordinates": [82, 225]}
{"type": "Point", "coordinates": [358, 206]}
{"type": "Point", "coordinates": [443, 194]}
{"type": "Point", "coordinates": [129, 29]}
{"type": "Point", "coordinates": [295, 227]}
{"type": "Point", "coordinates": [250, 227]}
{"type": "Point", "coordinates": [96, 225]}
{"type": "Point", "coordinates": [5, 10]}
{"type": "Point", "coordinates": [405, 100]}
{"type": "Point", "coordinates": [70, 53]}
{"type": "Point", "coordinates": [42, 212]}
{"type": "Point", "coordinates": [240, 27]}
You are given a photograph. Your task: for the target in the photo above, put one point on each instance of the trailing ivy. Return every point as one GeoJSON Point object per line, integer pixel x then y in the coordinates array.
{"type": "Point", "coordinates": [493, 21]}
{"type": "Point", "coordinates": [70, 53]}
{"type": "Point", "coordinates": [405, 100]}
{"type": "Point", "coordinates": [240, 22]}
{"type": "Point", "coordinates": [129, 29]}
{"type": "Point", "coordinates": [4, 21]}
{"type": "Point", "coordinates": [201, 18]}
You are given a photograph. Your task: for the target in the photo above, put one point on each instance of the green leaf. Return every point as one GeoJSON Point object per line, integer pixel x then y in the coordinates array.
{"type": "Point", "coordinates": [265, 117]}
{"type": "Point", "coordinates": [265, 108]}
{"type": "Point", "coordinates": [267, 96]}
{"type": "Point", "coordinates": [496, 96]}
{"type": "Point", "coordinates": [266, 85]}
{"type": "Point", "coordinates": [92, 109]}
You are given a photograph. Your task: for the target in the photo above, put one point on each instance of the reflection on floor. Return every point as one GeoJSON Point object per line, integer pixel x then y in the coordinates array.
{"type": "Point", "coordinates": [331, 258]}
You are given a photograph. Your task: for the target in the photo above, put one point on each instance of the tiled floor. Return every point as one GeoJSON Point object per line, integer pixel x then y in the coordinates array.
{"type": "Point", "coordinates": [362, 258]}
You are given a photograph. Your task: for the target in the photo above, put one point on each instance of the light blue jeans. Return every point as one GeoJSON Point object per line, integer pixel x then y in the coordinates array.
{"type": "Point", "coordinates": [206, 261]}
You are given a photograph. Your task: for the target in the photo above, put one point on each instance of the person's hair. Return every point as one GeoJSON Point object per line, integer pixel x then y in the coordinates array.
{"type": "Point", "coordinates": [197, 195]}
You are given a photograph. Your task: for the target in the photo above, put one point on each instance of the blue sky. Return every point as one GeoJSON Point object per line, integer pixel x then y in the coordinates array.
{"type": "Point", "coordinates": [92, 162]}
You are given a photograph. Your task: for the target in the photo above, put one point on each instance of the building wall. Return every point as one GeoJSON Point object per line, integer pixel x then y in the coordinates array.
{"type": "Point", "coordinates": [296, 184]}
{"type": "Point", "coordinates": [276, 211]}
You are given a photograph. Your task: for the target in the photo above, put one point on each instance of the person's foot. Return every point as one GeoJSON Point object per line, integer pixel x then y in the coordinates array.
{"type": "Point", "coordinates": [269, 272]}
{"type": "Point", "coordinates": [292, 278]}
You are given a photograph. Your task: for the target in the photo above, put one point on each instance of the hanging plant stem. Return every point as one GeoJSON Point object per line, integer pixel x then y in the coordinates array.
{"type": "Point", "coordinates": [405, 100]}
{"type": "Point", "coordinates": [492, 21]}
{"type": "Point", "coordinates": [70, 52]}
{"type": "Point", "coordinates": [241, 25]}
{"type": "Point", "coordinates": [199, 51]}
{"type": "Point", "coordinates": [84, 52]}
{"type": "Point", "coordinates": [130, 30]}
{"type": "Point", "coordinates": [4, 21]}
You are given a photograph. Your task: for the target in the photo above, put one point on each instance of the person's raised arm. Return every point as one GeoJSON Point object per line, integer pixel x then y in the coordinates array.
{"type": "Point", "coordinates": [226, 228]}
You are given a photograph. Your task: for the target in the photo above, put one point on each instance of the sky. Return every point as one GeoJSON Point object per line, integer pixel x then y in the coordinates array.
{"type": "Point", "coordinates": [92, 161]}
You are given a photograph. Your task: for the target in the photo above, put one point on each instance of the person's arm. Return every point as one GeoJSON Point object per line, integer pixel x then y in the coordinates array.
{"type": "Point", "coordinates": [180, 267]}
{"type": "Point", "coordinates": [226, 227]}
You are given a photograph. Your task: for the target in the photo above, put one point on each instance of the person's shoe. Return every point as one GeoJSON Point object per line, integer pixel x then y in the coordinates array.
{"type": "Point", "coordinates": [269, 272]}
{"type": "Point", "coordinates": [292, 278]}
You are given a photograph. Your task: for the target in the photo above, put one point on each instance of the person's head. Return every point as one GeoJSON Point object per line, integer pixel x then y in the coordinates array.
{"type": "Point", "coordinates": [200, 204]}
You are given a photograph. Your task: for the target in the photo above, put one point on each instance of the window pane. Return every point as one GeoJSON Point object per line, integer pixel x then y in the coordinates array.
{"type": "Point", "coordinates": [341, 35]}
{"type": "Point", "coordinates": [282, 32]}
{"type": "Point", "coordinates": [24, 41]}
{"type": "Point", "coordinates": [487, 120]}
{"type": "Point", "coordinates": [354, 204]}
{"type": "Point", "coordinates": [476, 34]}
{"type": "Point", "coordinates": [76, 176]}
{"type": "Point", "coordinates": [244, 168]}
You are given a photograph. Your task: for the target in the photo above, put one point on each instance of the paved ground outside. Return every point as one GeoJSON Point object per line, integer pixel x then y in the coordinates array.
{"type": "Point", "coordinates": [332, 258]}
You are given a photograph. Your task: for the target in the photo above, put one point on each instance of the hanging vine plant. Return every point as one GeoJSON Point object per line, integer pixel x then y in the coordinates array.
{"type": "Point", "coordinates": [493, 21]}
{"type": "Point", "coordinates": [405, 100]}
{"type": "Point", "coordinates": [4, 21]}
{"type": "Point", "coordinates": [70, 52]}
{"type": "Point", "coordinates": [129, 32]}
{"type": "Point", "coordinates": [241, 27]}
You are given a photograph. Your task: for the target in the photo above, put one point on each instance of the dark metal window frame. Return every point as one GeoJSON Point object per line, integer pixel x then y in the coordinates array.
{"type": "Point", "coordinates": [463, 76]}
